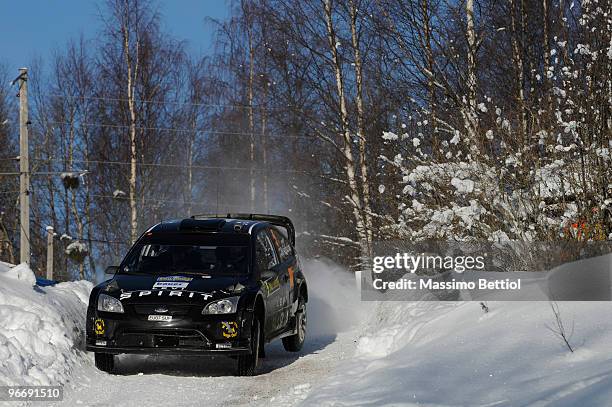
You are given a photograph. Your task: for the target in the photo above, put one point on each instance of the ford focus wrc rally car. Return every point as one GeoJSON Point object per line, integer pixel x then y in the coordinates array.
{"type": "Point", "coordinates": [206, 285]}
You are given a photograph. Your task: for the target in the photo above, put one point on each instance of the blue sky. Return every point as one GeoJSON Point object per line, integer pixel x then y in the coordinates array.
{"type": "Point", "coordinates": [35, 28]}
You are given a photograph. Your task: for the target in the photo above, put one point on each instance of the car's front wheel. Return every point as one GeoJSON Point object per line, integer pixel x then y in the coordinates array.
{"type": "Point", "coordinates": [105, 362]}
{"type": "Point", "coordinates": [295, 342]}
{"type": "Point", "coordinates": [247, 364]}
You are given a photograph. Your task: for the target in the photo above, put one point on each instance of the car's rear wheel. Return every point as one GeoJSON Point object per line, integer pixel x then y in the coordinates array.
{"type": "Point", "coordinates": [105, 362]}
{"type": "Point", "coordinates": [247, 364]}
{"type": "Point", "coordinates": [295, 342]}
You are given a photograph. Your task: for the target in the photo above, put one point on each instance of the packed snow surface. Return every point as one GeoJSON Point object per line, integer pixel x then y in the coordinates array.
{"type": "Point", "coordinates": [285, 379]}
{"type": "Point", "coordinates": [454, 354]}
{"type": "Point", "coordinates": [357, 353]}
{"type": "Point", "coordinates": [41, 328]}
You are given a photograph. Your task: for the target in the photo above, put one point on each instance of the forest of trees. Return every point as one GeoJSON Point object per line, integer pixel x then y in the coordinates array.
{"type": "Point", "coordinates": [362, 120]}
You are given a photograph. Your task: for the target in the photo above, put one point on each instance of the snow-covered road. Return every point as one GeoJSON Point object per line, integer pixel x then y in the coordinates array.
{"type": "Point", "coordinates": [284, 379]}
{"type": "Point", "coordinates": [357, 353]}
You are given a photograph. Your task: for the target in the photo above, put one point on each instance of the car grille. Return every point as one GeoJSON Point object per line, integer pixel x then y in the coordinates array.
{"type": "Point", "coordinates": [150, 309]}
{"type": "Point", "coordinates": [163, 338]}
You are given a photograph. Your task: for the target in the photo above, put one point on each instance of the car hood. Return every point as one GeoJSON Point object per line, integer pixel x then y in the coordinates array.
{"type": "Point", "coordinates": [173, 288]}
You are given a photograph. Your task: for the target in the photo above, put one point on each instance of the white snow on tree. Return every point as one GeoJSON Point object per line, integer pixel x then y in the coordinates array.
{"type": "Point", "coordinates": [70, 180]}
{"type": "Point", "coordinates": [119, 194]}
{"type": "Point", "coordinates": [77, 251]}
{"type": "Point", "coordinates": [65, 238]}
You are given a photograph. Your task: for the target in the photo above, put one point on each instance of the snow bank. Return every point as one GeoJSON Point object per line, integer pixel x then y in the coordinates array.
{"type": "Point", "coordinates": [453, 354]}
{"type": "Point", "coordinates": [41, 329]}
{"type": "Point", "coordinates": [21, 272]}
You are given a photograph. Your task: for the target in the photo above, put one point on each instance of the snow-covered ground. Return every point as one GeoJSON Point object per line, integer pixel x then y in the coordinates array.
{"type": "Point", "coordinates": [41, 328]}
{"type": "Point", "coordinates": [285, 378]}
{"type": "Point", "coordinates": [454, 354]}
{"type": "Point", "coordinates": [370, 353]}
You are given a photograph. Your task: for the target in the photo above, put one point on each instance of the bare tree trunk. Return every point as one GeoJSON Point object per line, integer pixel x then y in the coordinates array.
{"type": "Point", "coordinates": [190, 164]}
{"type": "Point", "coordinates": [545, 40]}
{"type": "Point", "coordinates": [365, 184]}
{"type": "Point", "coordinates": [519, 66]}
{"type": "Point", "coordinates": [73, 192]}
{"type": "Point", "coordinates": [349, 166]}
{"type": "Point", "coordinates": [251, 97]}
{"type": "Point", "coordinates": [5, 242]}
{"type": "Point", "coordinates": [132, 72]}
{"type": "Point", "coordinates": [264, 147]}
{"type": "Point", "coordinates": [470, 116]}
{"type": "Point", "coordinates": [431, 88]}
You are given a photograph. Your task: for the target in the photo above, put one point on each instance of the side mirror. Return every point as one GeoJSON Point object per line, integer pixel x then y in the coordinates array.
{"type": "Point", "coordinates": [110, 272]}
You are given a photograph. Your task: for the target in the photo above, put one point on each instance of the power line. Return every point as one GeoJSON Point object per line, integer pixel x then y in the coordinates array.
{"type": "Point", "coordinates": [164, 102]}
{"type": "Point", "coordinates": [196, 166]}
{"type": "Point", "coordinates": [122, 198]}
{"type": "Point", "coordinates": [182, 130]}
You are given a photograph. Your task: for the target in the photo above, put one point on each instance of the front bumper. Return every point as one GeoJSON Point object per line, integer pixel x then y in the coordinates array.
{"type": "Point", "coordinates": [169, 351]}
{"type": "Point", "coordinates": [187, 334]}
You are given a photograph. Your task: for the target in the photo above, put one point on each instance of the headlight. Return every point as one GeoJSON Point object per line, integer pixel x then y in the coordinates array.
{"type": "Point", "coordinates": [224, 306]}
{"type": "Point", "coordinates": [109, 304]}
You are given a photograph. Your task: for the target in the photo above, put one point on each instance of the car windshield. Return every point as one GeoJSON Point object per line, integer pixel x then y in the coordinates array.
{"type": "Point", "coordinates": [209, 260]}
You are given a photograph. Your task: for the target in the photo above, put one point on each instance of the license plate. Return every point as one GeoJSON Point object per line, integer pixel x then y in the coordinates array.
{"type": "Point", "coordinates": [160, 318]}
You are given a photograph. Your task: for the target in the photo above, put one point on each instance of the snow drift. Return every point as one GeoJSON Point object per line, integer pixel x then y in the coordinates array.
{"type": "Point", "coordinates": [453, 354]}
{"type": "Point", "coordinates": [41, 329]}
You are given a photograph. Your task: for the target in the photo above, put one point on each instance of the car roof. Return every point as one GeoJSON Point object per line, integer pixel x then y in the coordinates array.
{"type": "Point", "coordinates": [207, 225]}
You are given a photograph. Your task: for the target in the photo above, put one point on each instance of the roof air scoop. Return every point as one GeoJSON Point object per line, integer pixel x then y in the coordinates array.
{"type": "Point", "coordinates": [204, 225]}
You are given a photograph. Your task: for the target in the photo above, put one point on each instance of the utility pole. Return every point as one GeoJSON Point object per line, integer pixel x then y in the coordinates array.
{"type": "Point", "coordinates": [24, 168]}
{"type": "Point", "coordinates": [50, 234]}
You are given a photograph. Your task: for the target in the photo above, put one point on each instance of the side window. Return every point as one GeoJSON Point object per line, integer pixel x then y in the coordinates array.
{"type": "Point", "coordinates": [264, 253]}
{"type": "Point", "coordinates": [282, 244]}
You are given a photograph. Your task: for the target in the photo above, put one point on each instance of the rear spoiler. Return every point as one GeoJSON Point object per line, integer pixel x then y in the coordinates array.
{"type": "Point", "coordinates": [275, 220]}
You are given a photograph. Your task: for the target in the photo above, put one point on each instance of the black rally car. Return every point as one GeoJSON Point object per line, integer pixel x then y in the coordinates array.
{"type": "Point", "coordinates": [206, 285]}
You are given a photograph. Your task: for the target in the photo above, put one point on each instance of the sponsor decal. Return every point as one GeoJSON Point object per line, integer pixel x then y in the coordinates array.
{"type": "Point", "coordinates": [164, 293]}
{"type": "Point", "coordinates": [175, 278]}
{"type": "Point", "coordinates": [99, 326]}
{"type": "Point", "coordinates": [291, 272]}
{"type": "Point", "coordinates": [160, 318]}
{"type": "Point", "coordinates": [273, 285]}
{"type": "Point", "coordinates": [172, 283]}
{"type": "Point", "coordinates": [229, 329]}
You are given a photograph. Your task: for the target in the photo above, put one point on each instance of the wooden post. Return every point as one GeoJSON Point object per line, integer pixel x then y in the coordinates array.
{"type": "Point", "coordinates": [50, 234]}
{"type": "Point", "coordinates": [24, 169]}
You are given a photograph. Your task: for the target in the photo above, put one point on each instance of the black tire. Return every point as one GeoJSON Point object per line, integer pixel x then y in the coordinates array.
{"type": "Point", "coordinates": [295, 342]}
{"type": "Point", "coordinates": [105, 362]}
{"type": "Point", "coordinates": [247, 364]}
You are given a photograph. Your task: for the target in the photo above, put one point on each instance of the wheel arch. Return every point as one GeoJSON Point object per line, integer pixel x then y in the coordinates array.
{"type": "Point", "coordinates": [303, 291]}
{"type": "Point", "coordinates": [259, 309]}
